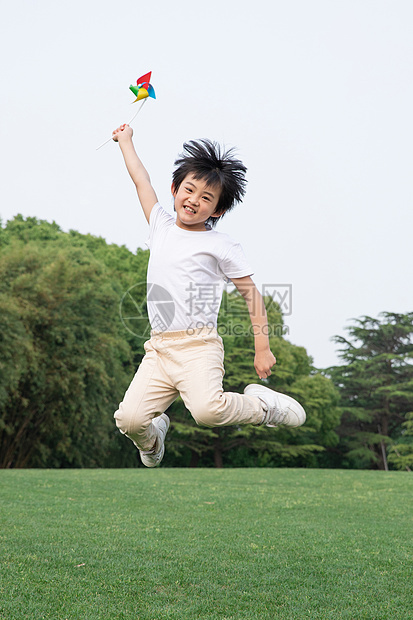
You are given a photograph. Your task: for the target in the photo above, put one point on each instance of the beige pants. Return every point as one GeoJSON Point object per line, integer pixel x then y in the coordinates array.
{"type": "Point", "coordinates": [190, 365]}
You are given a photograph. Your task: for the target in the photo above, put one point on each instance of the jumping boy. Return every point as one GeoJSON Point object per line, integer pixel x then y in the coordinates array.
{"type": "Point", "coordinates": [188, 266]}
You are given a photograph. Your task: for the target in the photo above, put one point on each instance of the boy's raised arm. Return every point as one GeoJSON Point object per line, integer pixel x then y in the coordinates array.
{"type": "Point", "coordinates": [139, 175]}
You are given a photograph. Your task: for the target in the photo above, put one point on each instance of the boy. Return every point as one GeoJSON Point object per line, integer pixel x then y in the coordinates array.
{"type": "Point", "coordinates": [189, 263]}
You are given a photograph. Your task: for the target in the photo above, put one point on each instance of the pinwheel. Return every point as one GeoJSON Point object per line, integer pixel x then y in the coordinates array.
{"type": "Point", "coordinates": [142, 90]}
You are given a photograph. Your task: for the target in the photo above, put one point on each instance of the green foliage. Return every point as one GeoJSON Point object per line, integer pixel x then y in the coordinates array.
{"type": "Point", "coordinates": [401, 451]}
{"type": "Point", "coordinates": [66, 358]}
{"type": "Point", "coordinates": [376, 388]}
{"type": "Point", "coordinates": [68, 362]}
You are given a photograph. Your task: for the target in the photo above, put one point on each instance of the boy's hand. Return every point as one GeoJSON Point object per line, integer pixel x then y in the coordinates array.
{"type": "Point", "coordinates": [123, 130]}
{"type": "Point", "coordinates": [263, 362]}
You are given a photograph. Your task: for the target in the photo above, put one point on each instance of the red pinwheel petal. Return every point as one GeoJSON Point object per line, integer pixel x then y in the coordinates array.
{"type": "Point", "coordinates": [145, 78]}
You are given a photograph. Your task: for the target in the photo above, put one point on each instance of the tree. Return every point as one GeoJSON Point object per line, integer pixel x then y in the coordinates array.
{"type": "Point", "coordinates": [72, 327]}
{"type": "Point", "coordinates": [376, 388]}
{"type": "Point", "coordinates": [62, 376]}
{"type": "Point", "coordinates": [401, 451]}
{"type": "Point", "coordinates": [65, 356]}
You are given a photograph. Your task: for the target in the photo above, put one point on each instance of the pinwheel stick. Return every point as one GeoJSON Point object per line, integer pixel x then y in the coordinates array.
{"type": "Point", "coordinates": [139, 109]}
{"type": "Point", "coordinates": [132, 119]}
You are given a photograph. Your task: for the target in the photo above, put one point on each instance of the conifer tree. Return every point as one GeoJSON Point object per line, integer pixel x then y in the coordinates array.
{"type": "Point", "coordinates": [376, 388]}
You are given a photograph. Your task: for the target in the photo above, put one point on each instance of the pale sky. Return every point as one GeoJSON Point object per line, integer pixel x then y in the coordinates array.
{"type": "Point", "coordinates": [317, 96]}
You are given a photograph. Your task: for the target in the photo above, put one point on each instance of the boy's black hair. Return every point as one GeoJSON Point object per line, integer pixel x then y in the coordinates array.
{"type": "Point", "coordinates": [205, 160]}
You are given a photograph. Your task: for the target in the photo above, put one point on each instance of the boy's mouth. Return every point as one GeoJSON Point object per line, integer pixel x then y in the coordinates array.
{"type": "Point", "coordinates": [189, 209]}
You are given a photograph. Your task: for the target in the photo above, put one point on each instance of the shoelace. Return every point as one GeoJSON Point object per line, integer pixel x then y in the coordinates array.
{"type": "Point", "coordinates": [275, 415]}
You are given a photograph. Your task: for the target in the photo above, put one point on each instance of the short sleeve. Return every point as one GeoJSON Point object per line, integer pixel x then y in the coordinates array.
{"type": "Point", "coordinates": [235, 264]}
{"type": "Point", "coordinates": [159, 219]}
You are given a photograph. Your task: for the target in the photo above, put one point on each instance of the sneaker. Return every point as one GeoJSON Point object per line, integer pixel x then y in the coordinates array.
{"type": "Point", "coordinates": [154, 457]}
{"type": "Point", "coordinates": [280, 410]}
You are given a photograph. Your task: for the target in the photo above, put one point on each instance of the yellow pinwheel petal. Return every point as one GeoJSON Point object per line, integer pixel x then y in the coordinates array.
{"type": "Point", "coordinates": [142, 94]}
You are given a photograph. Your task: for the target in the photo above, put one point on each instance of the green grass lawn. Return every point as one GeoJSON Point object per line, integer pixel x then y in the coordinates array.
{"type": "Point", "coordinates": [210, 544]}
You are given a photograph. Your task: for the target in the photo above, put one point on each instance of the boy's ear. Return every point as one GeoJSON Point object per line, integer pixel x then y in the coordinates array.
{"type": "Point", "coordinates": [173, 191]}
{"type": "Point", "coordinates": [218, 213]}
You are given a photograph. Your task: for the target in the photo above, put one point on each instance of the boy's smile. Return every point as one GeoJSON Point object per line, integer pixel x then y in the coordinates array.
{"type": "Point", "coordinates": [195, 202]}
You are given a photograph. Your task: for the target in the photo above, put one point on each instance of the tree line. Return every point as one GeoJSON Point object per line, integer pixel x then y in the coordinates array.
{"type": "Point", "coordinates": [72, 327]}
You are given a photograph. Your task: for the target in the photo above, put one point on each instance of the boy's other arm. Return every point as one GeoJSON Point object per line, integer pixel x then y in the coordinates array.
{"type": "Point", "coordinates": [138, 173]}
{"type": "Point", "coordinates": [264, 359]}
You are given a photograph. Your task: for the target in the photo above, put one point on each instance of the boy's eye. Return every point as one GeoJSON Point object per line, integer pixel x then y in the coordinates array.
{"type": "Point", "coordinates": [206, 198]}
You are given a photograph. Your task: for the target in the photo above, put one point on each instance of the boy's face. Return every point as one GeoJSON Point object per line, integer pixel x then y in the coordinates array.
{"type": "Point", "coordinates": [195, 202]}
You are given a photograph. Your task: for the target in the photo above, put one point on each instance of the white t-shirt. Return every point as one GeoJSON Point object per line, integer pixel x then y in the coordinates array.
{"type": "Point", "coordinates": [186, 273]}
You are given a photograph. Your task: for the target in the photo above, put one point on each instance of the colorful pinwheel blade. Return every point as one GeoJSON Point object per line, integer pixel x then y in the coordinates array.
{"type": "Point", "coordinates": [142, 94]}
{"type": "Point", "coordinates": [134, 89]}
{"type": "Point", "coordinates": [144, 78]}
{"type": "Point", "coordinates": [151, 91]}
